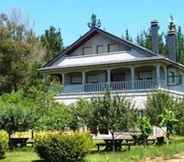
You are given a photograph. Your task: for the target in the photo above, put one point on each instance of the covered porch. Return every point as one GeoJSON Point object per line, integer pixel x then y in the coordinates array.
{"type": "Point", "coordinates": [115, 79]}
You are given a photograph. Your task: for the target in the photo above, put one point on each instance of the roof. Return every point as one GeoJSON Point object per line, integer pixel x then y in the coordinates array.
{"type": "Point", "coordinates": [95, 60]}
{"type": "Point", "coordinates": [91, 33]}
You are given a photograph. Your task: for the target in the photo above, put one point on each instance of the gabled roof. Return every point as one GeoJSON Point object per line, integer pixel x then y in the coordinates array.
{"type": "Point", "coordinates": [90, 34]}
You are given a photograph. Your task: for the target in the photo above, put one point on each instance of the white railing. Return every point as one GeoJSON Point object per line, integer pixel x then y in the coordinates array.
{"type": "Point", "coordinates": [121, 85]}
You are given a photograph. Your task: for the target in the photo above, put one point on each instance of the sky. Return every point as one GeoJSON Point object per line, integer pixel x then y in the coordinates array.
{"type": "Point", "coordinates": [71, 16]}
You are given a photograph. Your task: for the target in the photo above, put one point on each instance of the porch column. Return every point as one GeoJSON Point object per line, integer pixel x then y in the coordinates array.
{"type": "Point", "coordinates": [132, 69]}
{"type": "Point", "coordinates": [83, 79]}
{"type": "Point", "coordinates": [165, 75]}
{"type": "Point", "coordinates": [109, 78]}
{"type": "Point", "coordinates": [63, 79]}
{"type": "Point", "coordinates": [158, 74]}
{"type": "Point", "coordinates": [109, 75]}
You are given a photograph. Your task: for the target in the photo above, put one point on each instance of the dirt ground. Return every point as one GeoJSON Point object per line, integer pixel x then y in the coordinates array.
{"type": "Point", "coordinates": [176, 158]}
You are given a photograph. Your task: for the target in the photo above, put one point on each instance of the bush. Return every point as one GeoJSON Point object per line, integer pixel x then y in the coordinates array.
{"type": "Point", "coordinates": [4, 140]}
{"type": "Point", "coordinates": [59, 147]}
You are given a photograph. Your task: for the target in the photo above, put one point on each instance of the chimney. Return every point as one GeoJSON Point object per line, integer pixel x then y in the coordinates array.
{"type": "Point", "coordinates": [171, 41]}
{"type": "Point", "coordinates": [154, 36]}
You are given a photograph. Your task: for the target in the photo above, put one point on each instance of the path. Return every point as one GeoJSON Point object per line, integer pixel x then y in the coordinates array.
{"type": "Point", "coordinates": [176, 158]}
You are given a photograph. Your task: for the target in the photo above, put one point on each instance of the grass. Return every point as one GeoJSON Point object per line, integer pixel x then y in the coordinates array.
{"type": "Point", "coordinates": [136, 153]}
{"type": "Point", "coordinates": [139, 152]}
{"type": "Point", "coordinates": [21, 155]}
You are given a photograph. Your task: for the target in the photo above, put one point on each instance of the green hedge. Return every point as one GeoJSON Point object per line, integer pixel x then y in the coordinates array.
{"type": "Point", "coordinates": [63, 147]}
{"type": "Point", "coordinates": [4, 140]}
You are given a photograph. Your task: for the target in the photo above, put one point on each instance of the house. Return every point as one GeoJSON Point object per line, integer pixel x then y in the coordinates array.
{"type": "Point", "coordinates": [99, 60]}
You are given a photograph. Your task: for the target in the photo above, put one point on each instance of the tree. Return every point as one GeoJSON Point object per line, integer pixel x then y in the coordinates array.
{"type": "Point", "coordinates": [19, 50]}
{"type": "Point", "coordinates": [94, 22]}
{"type": "Point", "coordinates": [15, 113]}
{"type": "Point", "coordinates": [157, 103]}
{"type": "Point", "coordinates": [168, 120]}
{"type": "Point", "coordinates": [113, 113]}
{"type": "Point", "coordinates": [80, 112]}
{"type": "Point", "coordinates": [57, 117]}
{"type": "Point", "coordinates": [53, 42]}
{"type": "Point", "coordinates": [127, 36]}
{"type": "Point", "coordinates": [145, 127]}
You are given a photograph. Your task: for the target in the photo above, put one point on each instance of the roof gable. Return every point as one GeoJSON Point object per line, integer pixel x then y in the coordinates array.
{"type": "Point", "coordinates": [91, 33]}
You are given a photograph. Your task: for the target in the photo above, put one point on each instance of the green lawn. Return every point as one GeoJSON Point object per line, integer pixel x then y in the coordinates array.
{"type": "Point", "coordinates": [136, 153]}
{"type": "Point", "coordinates": [20, 156]}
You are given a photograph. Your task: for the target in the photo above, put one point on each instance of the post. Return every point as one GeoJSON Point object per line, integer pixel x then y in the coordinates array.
{"type": "Point", "coordinates": [83, 80]}
{"type": "Point", "coordinates": [132, 76]}
{"type": "Point", "coordinates": [109, 78]}
{"type": "Point", "coordinates": [165, 73]}
{"type": "Point", "coordinates": [63, 79]}
{"type": "Point", "coordinates": [158, 74]}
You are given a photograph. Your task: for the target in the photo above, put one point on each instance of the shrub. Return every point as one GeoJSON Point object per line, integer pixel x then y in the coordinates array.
{"type": "Point", "coordinates": [4, 140]}
{"type": "Point", "coordinates": [59, 147]}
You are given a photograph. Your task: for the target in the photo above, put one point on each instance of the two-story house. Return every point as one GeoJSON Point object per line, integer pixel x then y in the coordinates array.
{"type": "Point", "coordinates": [99, 60]}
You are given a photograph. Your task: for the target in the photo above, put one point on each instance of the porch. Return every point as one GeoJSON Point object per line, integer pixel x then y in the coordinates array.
{"type": "Point", "coordinates": [115, 79]}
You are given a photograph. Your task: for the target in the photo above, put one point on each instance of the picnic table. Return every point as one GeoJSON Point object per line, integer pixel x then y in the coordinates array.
{"type": "Point", "coordinates": [17, 141]}
{"type": "Point", "coordinates": [119, 141]}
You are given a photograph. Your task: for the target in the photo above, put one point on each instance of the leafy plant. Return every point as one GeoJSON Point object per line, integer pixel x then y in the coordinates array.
{"type": "Point", "coordinates": [63, 147]}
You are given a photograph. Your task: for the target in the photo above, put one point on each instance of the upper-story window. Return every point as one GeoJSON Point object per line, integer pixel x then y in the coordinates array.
{"type": "Point", "coordinates": [87, 50]}
{"type": "Point", "coordinates": [99, 49]}
{"type": "Point", "coordinates": [113, 47]}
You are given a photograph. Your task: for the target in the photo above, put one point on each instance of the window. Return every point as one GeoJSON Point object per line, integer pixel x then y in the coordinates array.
{"type": "Point", "coordinates": [87, 50]}
{"type": "Point", "coordinates": [113, 47]}
{"type": "Point", "coordinates": [99, 49]}
{"type": "Point", "coordinates": [145, 75]}
{"type": "Point", "coordinates": [75, 79]}
{"type": "Point", "coordinates": [171, 77]}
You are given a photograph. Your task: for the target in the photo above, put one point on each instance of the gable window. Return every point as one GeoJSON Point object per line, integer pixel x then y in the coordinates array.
{"type": "Point", "coordinates": [113, 47]}
{"type": "Point", "coordinates": [99, 49]}
{"type": "Point", "coordinates": [87, 50]}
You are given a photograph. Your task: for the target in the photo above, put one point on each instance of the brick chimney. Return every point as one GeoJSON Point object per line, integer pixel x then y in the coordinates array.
{"type": "Point", "coordinates": [171, 40]}
{"type": "Point", "coordinates": [154, 36]}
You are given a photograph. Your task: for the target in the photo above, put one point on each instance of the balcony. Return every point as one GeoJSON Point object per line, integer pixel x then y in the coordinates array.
{"type": "Point", "coordinates": [112, 86]}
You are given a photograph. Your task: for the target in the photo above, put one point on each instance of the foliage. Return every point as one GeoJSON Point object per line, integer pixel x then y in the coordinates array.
{"type": "Point", "coordinates": [15, 113]}
{"type": "Point", "coordinates": [113, 113]}
{"type": "Point", "coordinates": [3, 143]}
{"type": "Point", "coordinates": [57, 117]}
{"type": "Point", "coordinates": [52, 41]}
{"type": "Point", "coordinates": [80, 112]}
{"type": "Point", "coordinates": [63, 147]}
{"type": "Point", "coordinates": [179, 112]}
{"type": "Point", "coordinates": [19, 50]}
{"type": "Point", "coordinates": [156, 104]}
{"type": "Point", "coordinates": [144, 126]}
{"type": "Point", "coordinates": [168, 119]}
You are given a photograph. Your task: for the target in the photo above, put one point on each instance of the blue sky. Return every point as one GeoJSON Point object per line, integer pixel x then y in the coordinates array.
{"type": "Point", "coordinates": [116, 15]}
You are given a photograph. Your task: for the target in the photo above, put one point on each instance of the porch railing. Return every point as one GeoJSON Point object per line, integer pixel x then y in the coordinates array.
{"type": "Point", "coordinates": [120, 85]}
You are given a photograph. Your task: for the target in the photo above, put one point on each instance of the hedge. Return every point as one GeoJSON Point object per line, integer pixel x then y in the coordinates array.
{"type": "Point", "coordinates": [4, 140]}
{"type": "Point", "coordinates": [59, 147]}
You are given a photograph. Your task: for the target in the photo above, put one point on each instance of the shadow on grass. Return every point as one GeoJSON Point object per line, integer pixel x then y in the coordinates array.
{"type": "Point", "coordinates": [38, 161]}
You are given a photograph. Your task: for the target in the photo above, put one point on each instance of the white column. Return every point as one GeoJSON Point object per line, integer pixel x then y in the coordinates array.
{"type": "Point", "coordinates": [83, 79]}
{"type": "Point", "coordinates": [132, 69]}
{"type": "Point", "coordinates": [63, 79]}
{"type": "Point", "coordinates": [165, 75]}
{"type": "Point", "coordinates": [109, 76]}
{"type": "Point", "coordinates": [158, 74]}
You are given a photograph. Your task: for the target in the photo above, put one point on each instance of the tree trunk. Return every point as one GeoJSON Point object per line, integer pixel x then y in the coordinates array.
{"type": "Point", "coordinates": [113, 142]}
